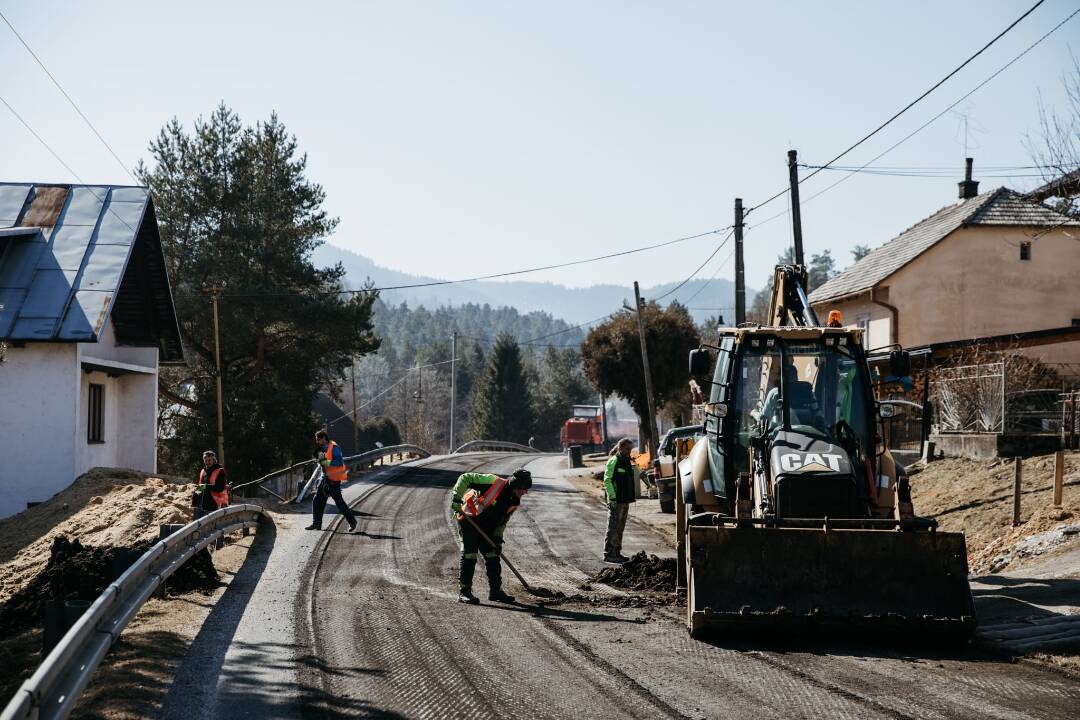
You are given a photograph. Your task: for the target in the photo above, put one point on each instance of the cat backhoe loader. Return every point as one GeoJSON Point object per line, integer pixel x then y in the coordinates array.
{"type": "Point", "coordinates": [793, 511]}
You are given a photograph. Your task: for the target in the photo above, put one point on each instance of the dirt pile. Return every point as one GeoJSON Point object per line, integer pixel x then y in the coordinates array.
{"type": "Point", "coordinates": [76, 571]}
{"type": "Point", "coordinates": [641, 572]}
{"type": "Point", "coordinates": [102, 508]}
{"type": "Point", "coordinates": [976, 497]}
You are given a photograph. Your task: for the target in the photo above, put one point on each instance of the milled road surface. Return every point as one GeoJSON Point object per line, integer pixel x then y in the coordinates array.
{"type": "Point", "coordinates": [336, 625]}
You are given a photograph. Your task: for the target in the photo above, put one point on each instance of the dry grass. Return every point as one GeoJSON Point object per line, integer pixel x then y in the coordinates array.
{"type": "Point", "coordinates": [976, 497]}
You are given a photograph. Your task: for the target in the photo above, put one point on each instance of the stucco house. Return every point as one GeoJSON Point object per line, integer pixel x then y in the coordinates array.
{"type": "Point", "coordinates": [991, 265]}
{"type": "Point", "coordinates": [86, 314]}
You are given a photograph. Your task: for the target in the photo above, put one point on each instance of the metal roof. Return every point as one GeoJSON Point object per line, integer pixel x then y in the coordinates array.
{"type": "Point", "coordinates": [72, 256]}
{"type": "Point", "coordinates": [996, 207]}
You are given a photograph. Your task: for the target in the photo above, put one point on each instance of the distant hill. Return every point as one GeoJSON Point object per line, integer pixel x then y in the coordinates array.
{"type": "Point", "coordinates": [575, 305]}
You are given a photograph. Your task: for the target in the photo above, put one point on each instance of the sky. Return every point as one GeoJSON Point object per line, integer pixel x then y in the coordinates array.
{"type": "Point", "coordinates": [456, 139]}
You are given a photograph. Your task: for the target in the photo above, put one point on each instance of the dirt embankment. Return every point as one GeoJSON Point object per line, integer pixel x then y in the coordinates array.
{"type": "Point", "coordinates": [102, 508]}
{"type": "Point", "coordinates": [976, 497]}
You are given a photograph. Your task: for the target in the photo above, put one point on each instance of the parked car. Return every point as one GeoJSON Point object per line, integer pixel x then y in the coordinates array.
{"type": "Point", "coordinates": [663, 467]}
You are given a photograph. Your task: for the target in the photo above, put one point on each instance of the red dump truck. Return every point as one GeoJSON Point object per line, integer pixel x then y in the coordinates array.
{"type": "Point", "coordinates": [584, 428]}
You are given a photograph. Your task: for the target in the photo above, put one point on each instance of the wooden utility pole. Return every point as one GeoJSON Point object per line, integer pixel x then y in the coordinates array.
{"type": "Point", "coordinates": [740, 278]}
{"type": "Point", "coordinates": [355, 413]}
{"type": "Point", "coordinates": [453, 387]}
{"type": "Point", "coordinates": [796, 213]}
{"type": "Point", "coordinates": [603, 422]}
{"type": "Point", "coordinates": [1018, 475]}
{"type": "Point", "coordinates": [1059, 476]}
{"type": "Point", "coordinates": [651, 420]}
{"type": "Point", "coordinates": [214, 292]}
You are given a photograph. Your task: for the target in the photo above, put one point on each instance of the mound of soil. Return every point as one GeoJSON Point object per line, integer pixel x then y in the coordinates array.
{"type": "Point", "coordinates": [641, 572]}
{"type": "Point", "coordinates": [78, 572]}
{"type": "Point", "coordinates": [104, 508]}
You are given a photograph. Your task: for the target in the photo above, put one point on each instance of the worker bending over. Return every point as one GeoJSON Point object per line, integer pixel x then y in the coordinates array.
{"type": "Point", "coordinates": [486, 502]}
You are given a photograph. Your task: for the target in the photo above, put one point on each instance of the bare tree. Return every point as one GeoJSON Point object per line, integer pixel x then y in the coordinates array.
{"type": "Point", "coordinates": [1056, 147]}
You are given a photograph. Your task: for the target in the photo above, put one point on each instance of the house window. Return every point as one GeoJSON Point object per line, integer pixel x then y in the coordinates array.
{"type": "Point", "coordinates": [863, 321]}
{"type": "Point", "coordinates": [1025, 251]}
{"type": "Point", "coordinates": [95, 425]}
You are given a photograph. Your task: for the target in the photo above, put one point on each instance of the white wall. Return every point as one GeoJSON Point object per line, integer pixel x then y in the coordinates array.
{"type": "Point", "coordinates": [38, 393]}
{"type": "Point", "coordinates": [130, 427]}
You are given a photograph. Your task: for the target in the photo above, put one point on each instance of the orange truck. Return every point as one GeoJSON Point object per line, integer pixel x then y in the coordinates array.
{"type": "Point", "coordinates": [585, 427]}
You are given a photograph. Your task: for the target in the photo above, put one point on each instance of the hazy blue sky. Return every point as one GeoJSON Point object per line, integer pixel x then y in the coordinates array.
{"type": "Point", "coordinates": [457, 138]}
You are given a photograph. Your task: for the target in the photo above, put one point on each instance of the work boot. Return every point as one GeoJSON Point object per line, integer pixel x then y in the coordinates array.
{"type": "Point", "coordinates": [354, 529]}
{"type": "Point", "coordinates": [313, 526]}
{"type": "Point", "coordinates": [465, 596]}
{"type": "Point", "coordinates": [622, 558]}
{"type": "Point", "coordinates": [615, 559]}
{"type": "Point", "coordinates": [497, 595]}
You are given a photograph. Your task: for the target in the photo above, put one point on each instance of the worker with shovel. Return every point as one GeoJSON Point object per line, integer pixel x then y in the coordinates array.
{"type": "Point", "coordinates": [482, 505]}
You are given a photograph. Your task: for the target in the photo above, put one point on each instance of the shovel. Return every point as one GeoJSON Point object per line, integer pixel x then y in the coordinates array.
{"type": "Point", "coordinates": [537, 591]}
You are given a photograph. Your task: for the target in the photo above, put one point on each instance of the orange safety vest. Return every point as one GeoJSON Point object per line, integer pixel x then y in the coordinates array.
{"type": "Point", "coordinates": [335, 473]}
{"type": "Point", "coordinates": [473, 503]}
{"type": "Point", "coordinates": [220, 498]}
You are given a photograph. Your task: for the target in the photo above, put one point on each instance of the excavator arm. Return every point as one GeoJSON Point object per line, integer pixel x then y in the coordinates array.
{"type": "Point", "coordinates": [789, 305]}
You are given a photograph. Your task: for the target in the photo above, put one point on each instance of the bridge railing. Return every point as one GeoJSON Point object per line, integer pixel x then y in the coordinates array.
{"type": "Point", "coordinates": [54, 688]}
{"type": "Point", "coordinates": [496, 445]}
{"type": "Point", "coordinates": [288, 483]}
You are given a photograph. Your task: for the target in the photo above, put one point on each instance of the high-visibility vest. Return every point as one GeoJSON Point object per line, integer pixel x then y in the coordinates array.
{"type": "Point", "coordinates": [220, 498]}
{"type": "Point", "coordinates": [473, 503]}
{"type": "Point", "coordinates": [335, 473]}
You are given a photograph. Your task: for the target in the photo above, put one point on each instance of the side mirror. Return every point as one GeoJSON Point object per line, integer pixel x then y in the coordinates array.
{"type": "Point", "coordinates": [700, 363]}
{"type": "Point", "coordinates": [886, 410]}
{"type": "Point", "coordinates": [899, 363]}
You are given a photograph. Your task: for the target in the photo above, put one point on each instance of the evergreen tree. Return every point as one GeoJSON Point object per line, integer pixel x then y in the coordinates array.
{"type": "Point", "coordinates": [237, 212]}
{"type": "Point", "coordinates": [558, 384]}
{"type": "Point", "coordinates": [503, 408]}
{"type": "Point", "coordinates": [859, 252]}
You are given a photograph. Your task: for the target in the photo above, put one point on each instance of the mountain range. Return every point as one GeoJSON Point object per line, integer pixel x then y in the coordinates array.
{"type": "Point", "coordinates": [704, 297]}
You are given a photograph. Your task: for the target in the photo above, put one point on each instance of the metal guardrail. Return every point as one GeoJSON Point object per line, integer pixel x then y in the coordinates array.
{"type": "Point", "coordinates": [293, 476]}
{"type": "Point", "coordinates": [354, 462]}
{"type": "Point", "coordinates": [497, 445]}
{"type": "Point", "coordinates": [54, 688]}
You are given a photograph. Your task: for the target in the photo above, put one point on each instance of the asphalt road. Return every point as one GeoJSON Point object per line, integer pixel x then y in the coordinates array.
{"type": "Point", "coordinates": [336, 625]}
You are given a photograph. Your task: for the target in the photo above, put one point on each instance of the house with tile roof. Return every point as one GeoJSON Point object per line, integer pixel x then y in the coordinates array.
{"type": "Point", "coordinates": [992, 265]}
{"type": "Point", "coordinates": [87, 317]}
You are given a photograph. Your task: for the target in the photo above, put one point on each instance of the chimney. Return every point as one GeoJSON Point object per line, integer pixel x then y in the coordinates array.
{"type": "Point", "coordinates": [968, 188]}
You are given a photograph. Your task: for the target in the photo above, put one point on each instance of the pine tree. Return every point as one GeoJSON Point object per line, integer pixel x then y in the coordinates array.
{"type": "Point", "coordinates": [503, 409]}
{"type": "Point", "coordinates": [236, 211]}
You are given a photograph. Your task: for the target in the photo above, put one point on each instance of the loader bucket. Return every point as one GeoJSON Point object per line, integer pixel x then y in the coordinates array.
{"type": "Point", "coordinates": [761, 578]}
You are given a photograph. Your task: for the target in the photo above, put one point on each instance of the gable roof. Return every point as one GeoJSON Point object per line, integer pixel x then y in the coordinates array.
{"type": "Point", "coordinates": [72, 256]}
{"type": "Point", "coordinates": [1002, 207]}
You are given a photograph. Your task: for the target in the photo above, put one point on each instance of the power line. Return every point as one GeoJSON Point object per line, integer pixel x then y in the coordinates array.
{"type": "Point", "coordinates": [907, 107]}
{"type": "Point", "coordinates": [496, 275]}
{"type": "Point", "coordinates": [68, 97]}
{"type": "Point", "coordinates": [699, 267]}
{"type": "Point", "coordinates": [706, 283]}
{"type": "Point", "coordinates": [387, 389]}
{"type": "Point", "coordinates": [932, 120]}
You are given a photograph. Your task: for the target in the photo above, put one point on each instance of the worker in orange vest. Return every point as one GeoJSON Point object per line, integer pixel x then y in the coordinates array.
{"type": "Point", "coordinates": [334, 473]}
{"type": "Point", "coordinates": [212, 492]}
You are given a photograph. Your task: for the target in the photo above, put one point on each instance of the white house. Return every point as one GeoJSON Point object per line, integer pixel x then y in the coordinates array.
{"type": "Point", "coordinates": [86, 314]}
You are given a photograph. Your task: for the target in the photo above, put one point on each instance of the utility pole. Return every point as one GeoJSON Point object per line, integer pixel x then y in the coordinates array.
{"type": "Point", "coordinates": [453, 387]}
{"type": "Point", "coordinates": [740, 278]}
{"type": "Point", "coordinates": [603, 421]}
{"type": "Point", "coordinates": [648, 371]}
{"type": "Point", "coordinates": [405, 408]}
{"type": "Point", "coordinates": [796, 214]}
{"type": "Point", "coordinates": [214, 292]}
{"type": "Point", "coordinates": [355, 414]}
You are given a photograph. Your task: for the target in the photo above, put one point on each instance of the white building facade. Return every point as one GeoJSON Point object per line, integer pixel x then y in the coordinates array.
{"type": "Point", "coordinates": [87, 315]}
